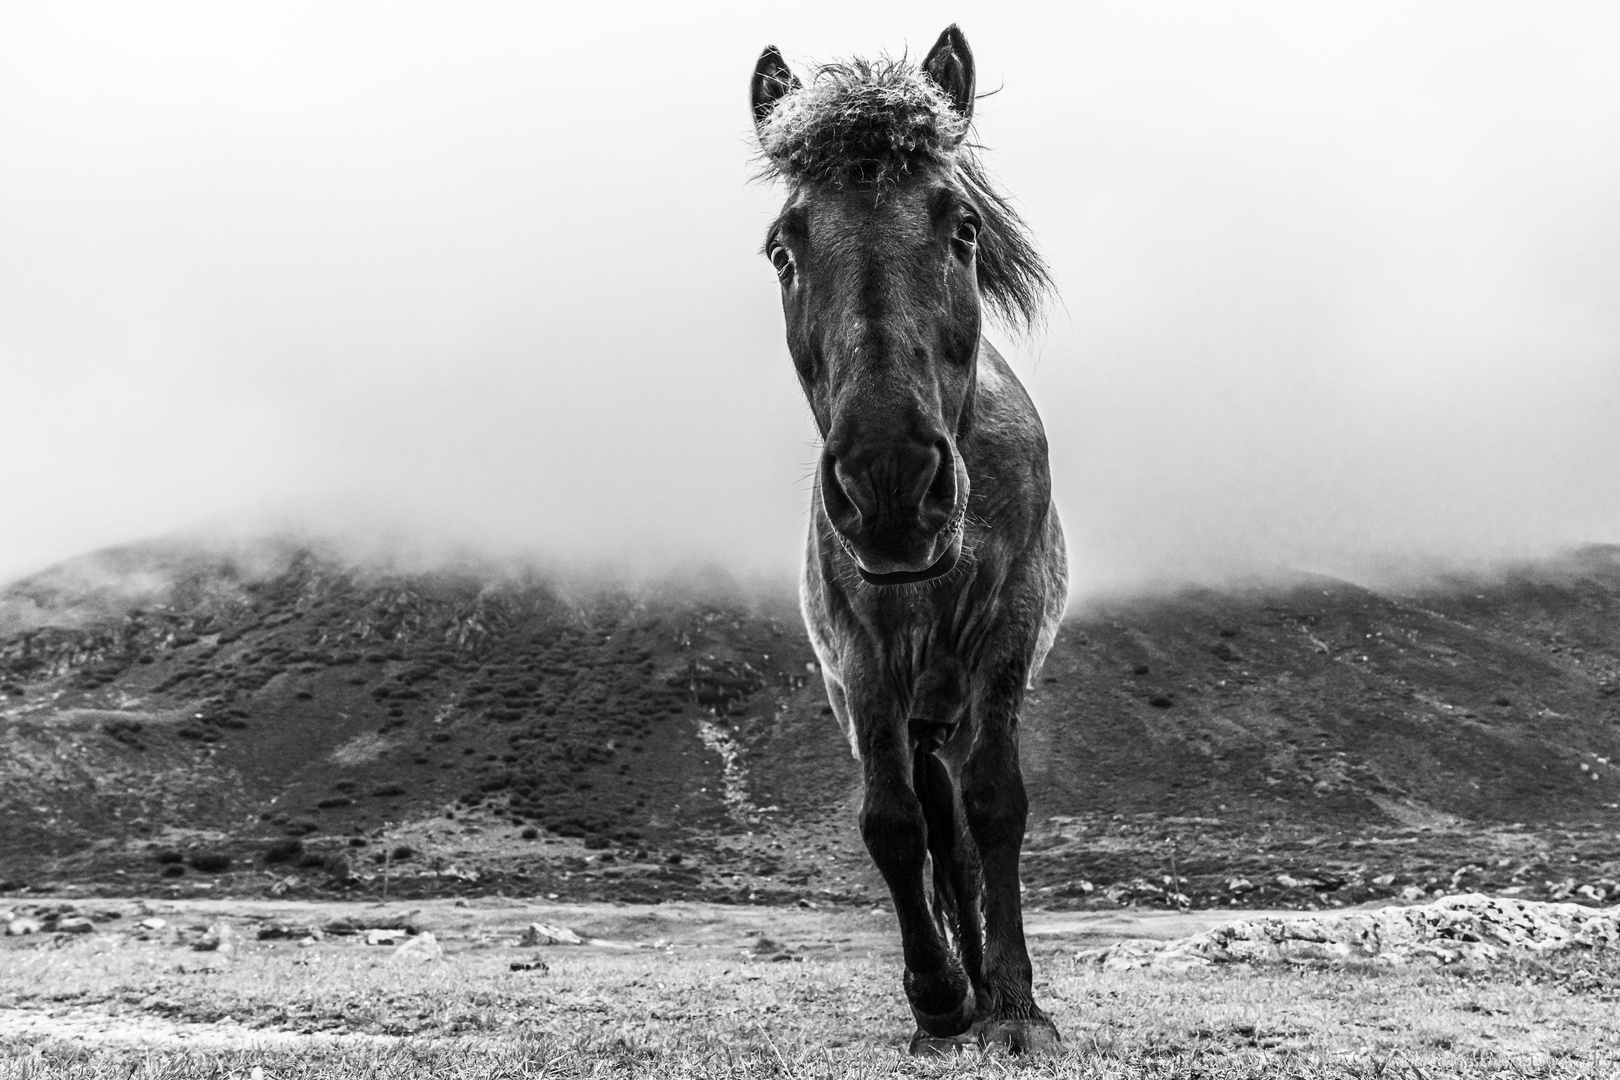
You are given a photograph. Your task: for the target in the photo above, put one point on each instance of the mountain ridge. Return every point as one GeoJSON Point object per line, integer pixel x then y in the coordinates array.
{"type": "Point", "coordinates": [164, 698]}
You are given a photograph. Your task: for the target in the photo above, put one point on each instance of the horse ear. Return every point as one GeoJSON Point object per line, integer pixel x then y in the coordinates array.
{"type": "Point", "coordinates": [772, 81]}
{"type": "Point", "coordinates": [950, 64]}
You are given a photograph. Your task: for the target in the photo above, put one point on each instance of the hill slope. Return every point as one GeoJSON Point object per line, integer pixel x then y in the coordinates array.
{"type": "Point", "coordinates": [165, 701]}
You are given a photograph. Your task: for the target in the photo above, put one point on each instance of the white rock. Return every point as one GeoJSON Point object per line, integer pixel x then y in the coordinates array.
{"type": "Point", "coordinates": [546, 934]}
{"type": "Point", "coordinates": [219, 938]}
{"type": "Point", "coordinates": [24, 925]}
{"type": "Point", "coordinates": [421, 947]}
{"type": "Point", "coordinates": [152, 924]}
{"type": "Point", "coordinates": [385, 937]}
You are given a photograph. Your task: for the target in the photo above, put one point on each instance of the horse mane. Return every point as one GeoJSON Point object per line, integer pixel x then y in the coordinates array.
{"type": "Point", "coordinates": [875, 123]}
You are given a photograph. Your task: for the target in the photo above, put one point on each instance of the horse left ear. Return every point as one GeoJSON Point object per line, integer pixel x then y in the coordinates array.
{"type": "Point", "coordinates": [950, 64]}
{"type": "Point", "coordinates": [772, 81]}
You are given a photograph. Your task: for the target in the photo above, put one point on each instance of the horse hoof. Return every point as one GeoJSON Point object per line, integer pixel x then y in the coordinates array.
{"type": "Point", "coordinates": [943, 1004]}
{"type": "Point", "coordinates": [926, 1045]}
{"type": "Point", "coordinates": [1036, 1036]}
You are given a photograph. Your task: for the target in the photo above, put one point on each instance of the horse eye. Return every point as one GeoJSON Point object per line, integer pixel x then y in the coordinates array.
{"type": "Point", "coordinates": [782, 259]}
{"type": "Point", "coordinates": [968, 232]}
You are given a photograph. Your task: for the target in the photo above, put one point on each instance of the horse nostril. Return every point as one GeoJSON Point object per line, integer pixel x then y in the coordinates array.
{"type": "Point", "coordinates": [941, 496]}
{"type": "Point", "coordinates": [842, 510]}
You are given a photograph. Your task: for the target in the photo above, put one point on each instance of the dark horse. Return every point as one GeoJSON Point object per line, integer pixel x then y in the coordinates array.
{"type": "Point", "coordinates": [935, 575]}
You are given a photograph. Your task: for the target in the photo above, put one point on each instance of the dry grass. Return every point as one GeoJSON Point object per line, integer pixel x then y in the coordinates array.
{"type": "Point", "coordinates": [344, 1010]}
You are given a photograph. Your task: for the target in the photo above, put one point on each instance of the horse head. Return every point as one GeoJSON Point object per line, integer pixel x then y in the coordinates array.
{"type": "Point", "coordinates": [890, 244]}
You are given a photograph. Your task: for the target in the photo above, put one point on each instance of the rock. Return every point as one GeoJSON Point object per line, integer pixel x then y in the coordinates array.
{"type": "Point", "coordinates": [1469, 928]}
{"type": "Point", "coordinates": [1412, 892]}
{"type": "Point", "coordinates": [217, 938]}
{"type": "Point", "coordinates": [74, 924]}
{"type": "Point", "coordinates": [152, 924]}
{"type": "Point", "coordinates": [421, 947]}
{"type": "Point", "coordinates": [1239, 885]}
{"type": "Point", "coordinates": [806, 903]}
{"type": "Point", "coordinates": [23, 925]}
{"type": "Point", "coordinates": [546, 934]}
{"type": "Point", "coordinates": [385, 936]}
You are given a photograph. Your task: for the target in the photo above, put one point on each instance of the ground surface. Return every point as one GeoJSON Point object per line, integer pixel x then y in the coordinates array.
{"type": "Point", "coordinates": [277, 721]}
{"type": "Point", "coordinates": [705, 990]}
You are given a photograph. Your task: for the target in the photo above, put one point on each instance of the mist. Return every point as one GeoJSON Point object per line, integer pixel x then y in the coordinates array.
{"type": "Point", "coordinates": [1337, 286]}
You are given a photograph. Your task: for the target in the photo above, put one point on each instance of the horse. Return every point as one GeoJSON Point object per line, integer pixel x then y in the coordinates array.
{"type": "Point", "coordinates": [935, 572]}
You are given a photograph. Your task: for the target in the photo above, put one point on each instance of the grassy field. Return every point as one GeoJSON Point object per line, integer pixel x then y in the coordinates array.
{"type": "Point", "coordinates": [705, 997]}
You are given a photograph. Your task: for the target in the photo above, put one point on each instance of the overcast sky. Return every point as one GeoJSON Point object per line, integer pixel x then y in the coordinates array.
{"type": "Point", "coordinates": [1340, 284]}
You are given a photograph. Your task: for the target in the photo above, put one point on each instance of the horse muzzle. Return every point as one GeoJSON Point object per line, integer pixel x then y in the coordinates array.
{"type": "Point", "coordinates": [944, 553]}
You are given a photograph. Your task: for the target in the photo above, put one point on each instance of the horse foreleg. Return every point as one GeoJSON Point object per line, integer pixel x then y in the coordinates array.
{"type": "Point", "coordinates": [997, 808]}
{"type": "Point", "coordinates": [896, 833]}
{"type": "Point", "coordinates": [956, 878]}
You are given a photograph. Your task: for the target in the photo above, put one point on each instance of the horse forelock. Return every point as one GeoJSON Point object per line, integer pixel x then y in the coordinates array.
{"type": "Point", "coordinates": [877, 123]}
{"type": "Point", "coordinates": [861, 123]}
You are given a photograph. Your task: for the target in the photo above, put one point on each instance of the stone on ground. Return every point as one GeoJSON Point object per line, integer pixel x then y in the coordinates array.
{"type": "Point", "coordinates": [421, 947]}
{"type": "Point", "coordinates": [546, 934]}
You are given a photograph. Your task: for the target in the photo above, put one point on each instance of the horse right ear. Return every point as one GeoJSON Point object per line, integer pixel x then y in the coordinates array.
{"type": "Point", "coordinates": [771, 83]}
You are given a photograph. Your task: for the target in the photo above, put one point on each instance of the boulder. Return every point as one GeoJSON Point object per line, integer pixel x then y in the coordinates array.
{"type": "Point", "coordinates": [23, 925]}
{"type": "Point", "coordinates": [546, 934]}
{"type": "Point", "coordinates": [421, 947]}
{"type": "Point", "coordinates": [74, 924]}
{"type": "Point", "coordinates": [386, 935]}
{"type": "Point", "coordinates": [218, 938]}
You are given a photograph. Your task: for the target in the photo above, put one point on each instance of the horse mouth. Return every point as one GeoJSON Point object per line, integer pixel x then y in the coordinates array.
{"type": "Point", "coordinates": [938, 569]}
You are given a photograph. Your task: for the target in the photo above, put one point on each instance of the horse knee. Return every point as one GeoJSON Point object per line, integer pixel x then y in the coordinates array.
{"type": "Point", "coordinates": [894, 829]}
{"type": "Point", "coordinates": [996, 808]}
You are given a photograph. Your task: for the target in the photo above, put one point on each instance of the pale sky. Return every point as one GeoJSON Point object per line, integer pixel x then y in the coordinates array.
{"type": "Point", "coordinates": [1339, 283]}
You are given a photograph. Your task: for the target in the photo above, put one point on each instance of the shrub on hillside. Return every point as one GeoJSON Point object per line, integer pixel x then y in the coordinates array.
{"type": "Point", "coordinates": [283, 851]}
{"type": "Point", "coordinates": [210, 862]}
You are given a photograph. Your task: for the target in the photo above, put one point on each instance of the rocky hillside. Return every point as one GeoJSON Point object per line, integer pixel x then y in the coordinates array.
{"type": "Point", "coordinates": [181, 717]}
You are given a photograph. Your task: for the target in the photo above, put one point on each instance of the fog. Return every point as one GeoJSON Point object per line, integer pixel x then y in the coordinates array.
{"type": "Point", "coordinates": [1339, 287]}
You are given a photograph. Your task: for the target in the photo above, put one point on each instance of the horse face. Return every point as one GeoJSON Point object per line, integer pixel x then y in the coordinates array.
{"type": "Point", "coordinates": [882, 306]}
